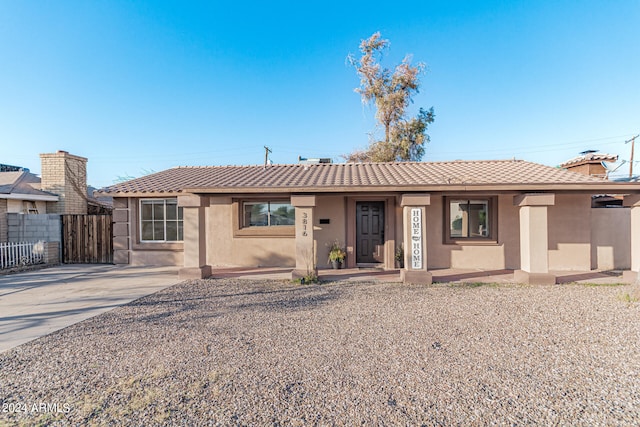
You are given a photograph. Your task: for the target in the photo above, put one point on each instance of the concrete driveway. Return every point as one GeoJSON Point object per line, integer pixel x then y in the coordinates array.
{"type": "Point", "coordinates": [36, 303]}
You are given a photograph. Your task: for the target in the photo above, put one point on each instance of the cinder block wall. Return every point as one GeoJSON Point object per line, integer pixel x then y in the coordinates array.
{"type": "Point", "coordinates": [52, 253]}
{"type": "Point", "coordinates": [65, 175]}
{"type": "Point", "coordinates": [33, 228]}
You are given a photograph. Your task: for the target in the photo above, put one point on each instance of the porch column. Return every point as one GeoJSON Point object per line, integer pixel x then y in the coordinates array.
{"type": "Point", "coordinates": [534, 239]}
{"type": "Point", "coordinates": [414, 225]}
{"type": "Point", "coordinates": [305, 247]}
{"type": "Point", "coordinates": [195, 239]}
{"type": "Point", "coordinates": [633, 202]}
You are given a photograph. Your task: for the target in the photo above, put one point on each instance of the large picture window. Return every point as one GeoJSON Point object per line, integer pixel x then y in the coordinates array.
{"type": "Point", "coordinates": [470, 219]}
{"type": "Point", "coordinates": [160, 221]}
{"type": "Point", "coordinates": [268, 214]}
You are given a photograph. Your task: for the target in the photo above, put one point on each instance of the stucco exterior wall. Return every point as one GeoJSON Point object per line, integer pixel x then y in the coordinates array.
{"type": "Point", "coordinates": [572, 227]}
{"type": "Point", "coordinates": [490, 256]}
{"type": "Point", "coordinates": [156, 258]}
{"type": "Point", "coordinates": [330, 208]}
{"type": "Point", "coordinates": [225, 250]}
{"type": "Point", "coordinates": [569, 221]}
{"type": "Point", "coordinates": [126, 240]}
{"type": "Point", "coordinates": [611, 238]}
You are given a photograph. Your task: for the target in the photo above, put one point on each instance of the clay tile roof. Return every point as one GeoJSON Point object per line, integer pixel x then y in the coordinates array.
{"type": "Point", "coordinates": [422, 176]}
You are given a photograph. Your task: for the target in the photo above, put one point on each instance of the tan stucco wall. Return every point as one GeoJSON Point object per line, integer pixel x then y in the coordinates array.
{"type": "Point", "coordinates": [159, 258]}
{"type": "Point", "coordinates": [223, 249]}
{"type": "Point", "coordinates": [569, 222]}
{"type": "Point", "coordinates": [611, 238]}
{"type": "Point", "coordinates": [126, 241]}
{"type": "Point", "coordinates": [332, 208]}
{"type": "Point", "coordinates": [493, 256]}
{"type": "Point", "coordinates": [569, 237]}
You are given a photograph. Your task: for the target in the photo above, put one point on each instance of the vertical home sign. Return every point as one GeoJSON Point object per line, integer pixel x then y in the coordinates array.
{"type": "Point", "coordinates": [416, 239]}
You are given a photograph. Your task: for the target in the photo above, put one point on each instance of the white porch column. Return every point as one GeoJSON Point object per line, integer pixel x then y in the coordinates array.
{"type": "Point", "coordinates": [534, 239]}
{"type": "Point", "coordinates": [633, 202]}
{"type": "Point", "coordinates": [414, 225]}
{"type": "Point", "coordinates": [195, 238]}
{"type": "Point", "coordinates": [306, 262]}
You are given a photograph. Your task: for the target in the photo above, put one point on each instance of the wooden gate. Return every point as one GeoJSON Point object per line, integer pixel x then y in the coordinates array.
{"type": "Point", "coordinates": [87, 239]}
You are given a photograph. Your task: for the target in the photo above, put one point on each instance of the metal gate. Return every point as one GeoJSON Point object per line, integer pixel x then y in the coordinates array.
{"type": "Point", "coordinates": [87, 239]}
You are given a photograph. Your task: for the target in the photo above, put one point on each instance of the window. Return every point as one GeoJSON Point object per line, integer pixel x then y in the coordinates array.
{"type": "Point", "coordinates": [160, 221]}
{"type": "Point", "coordinates": [470, 219]}
{"type": "Point", "coordinates": [268, 214]}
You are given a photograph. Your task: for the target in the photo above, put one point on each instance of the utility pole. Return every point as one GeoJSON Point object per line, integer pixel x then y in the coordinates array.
{"type": "Point", "coordinates": [267, 150]}
{"type": "Point", "coordinates": [633, 143]}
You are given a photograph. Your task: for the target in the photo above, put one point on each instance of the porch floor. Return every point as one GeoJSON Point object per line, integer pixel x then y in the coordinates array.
{"type": "Point", "coordinates": [439, 276]}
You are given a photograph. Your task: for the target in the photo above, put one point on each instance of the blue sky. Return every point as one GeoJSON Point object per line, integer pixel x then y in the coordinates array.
{"type": "Point", "coordinates": [147, 85]}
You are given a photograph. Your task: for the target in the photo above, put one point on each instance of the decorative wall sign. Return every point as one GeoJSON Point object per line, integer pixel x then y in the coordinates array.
{"type": "Point", "coordinates": [416, 239]}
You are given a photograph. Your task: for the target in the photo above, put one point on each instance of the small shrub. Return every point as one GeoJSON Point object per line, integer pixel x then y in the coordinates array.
{"type": "Point", "coordinates": [309, 279]}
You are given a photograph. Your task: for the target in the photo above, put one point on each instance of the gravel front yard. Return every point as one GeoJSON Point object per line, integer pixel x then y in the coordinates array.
{"type": "Point", "coordinates": [230, 352]}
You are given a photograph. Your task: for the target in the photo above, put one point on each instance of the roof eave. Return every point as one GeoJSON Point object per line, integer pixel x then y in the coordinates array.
{"type": "Point", "coordinates": [587, 187]}
{"type": "Point", "coordinates": [156, 193]}
{"type": "Point", "coordinates": [30, 197]}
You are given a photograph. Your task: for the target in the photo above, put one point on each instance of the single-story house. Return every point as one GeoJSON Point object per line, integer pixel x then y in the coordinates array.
{"type": "Point", "coordinates": [492, 215]}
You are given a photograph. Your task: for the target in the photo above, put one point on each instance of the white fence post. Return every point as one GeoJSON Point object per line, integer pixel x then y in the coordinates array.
{"type": "Point", "coordinates": [16, 254]}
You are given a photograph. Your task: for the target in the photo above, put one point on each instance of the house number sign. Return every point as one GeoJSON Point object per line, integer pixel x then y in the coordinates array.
{"type": "Point", "coordinates": [305, 221]}
{"type": "Point", "coordinates": [416, 238]}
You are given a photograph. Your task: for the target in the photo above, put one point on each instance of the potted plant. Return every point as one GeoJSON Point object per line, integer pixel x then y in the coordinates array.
{"type": "Point", "coordinates": [337, 255]}
{"type": "Point", "coordinates": [400, 256]}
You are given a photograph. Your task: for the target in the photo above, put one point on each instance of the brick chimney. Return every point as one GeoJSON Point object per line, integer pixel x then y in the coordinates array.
{"type": "Point", "coordinates": [65, 175]}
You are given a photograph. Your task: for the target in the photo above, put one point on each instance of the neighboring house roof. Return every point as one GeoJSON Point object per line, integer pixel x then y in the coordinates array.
{"type": "Point", "coordinates": [101, 201]}
{"type": "Point", "coordinates": [23, 186]}
{"type": "Point", "coordinates": [491, 175]}
{"type": "Point", "coordinates": [590, 158]}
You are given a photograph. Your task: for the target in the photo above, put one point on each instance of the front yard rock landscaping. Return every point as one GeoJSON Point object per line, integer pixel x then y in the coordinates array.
{"type": "Point", "coordinates": [237, 352]}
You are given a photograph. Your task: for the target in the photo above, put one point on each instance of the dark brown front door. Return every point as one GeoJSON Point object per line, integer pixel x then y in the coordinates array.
{"type": "Point", "coordinates": [369, 232]}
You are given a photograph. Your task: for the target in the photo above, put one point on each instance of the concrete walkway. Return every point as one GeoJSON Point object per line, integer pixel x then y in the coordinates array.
{"type": "Point", "coordinates": [36, 303]}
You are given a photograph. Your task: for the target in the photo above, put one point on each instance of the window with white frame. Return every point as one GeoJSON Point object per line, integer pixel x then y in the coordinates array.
{"type": "Point", "coordinates": [268, 214]}
{"type": "Point", "coordinates": [160, 220]}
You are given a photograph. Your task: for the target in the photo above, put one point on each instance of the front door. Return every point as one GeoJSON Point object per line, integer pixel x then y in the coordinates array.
{"type": "Point", "coordinates": [369, 232]}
